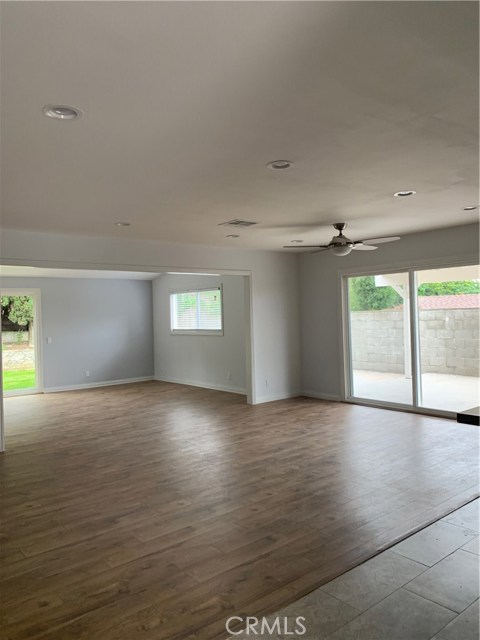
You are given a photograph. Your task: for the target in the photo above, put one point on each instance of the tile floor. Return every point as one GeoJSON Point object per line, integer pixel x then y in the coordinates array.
{"type": "Point", "coordinates": [426, 587]}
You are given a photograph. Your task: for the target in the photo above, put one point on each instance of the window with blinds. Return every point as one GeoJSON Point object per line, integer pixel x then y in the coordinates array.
{"type": "Point", "coordinates": [198, 311]}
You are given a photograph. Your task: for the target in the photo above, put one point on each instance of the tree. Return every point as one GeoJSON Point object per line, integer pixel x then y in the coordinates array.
{"type": "Point", "coordinates": [453, 288]}
{"type": "Point", "coordinates": [18, 309]}
{"type": "Point", "coordinates": [366, 296]}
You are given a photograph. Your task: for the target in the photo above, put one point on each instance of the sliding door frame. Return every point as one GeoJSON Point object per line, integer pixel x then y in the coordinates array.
{"type": "Point", "coordinates": [346, 382]}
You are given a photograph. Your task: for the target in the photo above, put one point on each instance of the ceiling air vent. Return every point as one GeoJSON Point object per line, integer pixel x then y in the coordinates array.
{"type": "Point", "coordinates": [237, 223]}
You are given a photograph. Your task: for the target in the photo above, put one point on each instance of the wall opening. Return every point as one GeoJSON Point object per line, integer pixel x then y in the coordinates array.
{"type": "Point", "coordinates": [21, 355]}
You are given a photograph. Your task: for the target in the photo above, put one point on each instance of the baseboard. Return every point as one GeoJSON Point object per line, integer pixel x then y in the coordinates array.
{"type": "Point", "coordinates": [194, 383]}
{"type": "Point", "coordinates": [321, 396]}
{"type": "Point", "coordinates": [202, 385]}
{"type": "Point", "coordinates": [22, 392]}
{"type": "Point", "coordinates": [95, 385]}
{"type": "Point", "coordinates": [278, 396]}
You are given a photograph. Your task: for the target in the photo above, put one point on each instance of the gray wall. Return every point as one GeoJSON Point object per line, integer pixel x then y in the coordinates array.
{"type": "Point", "coordinates": [448, 341]}
{"type": "Point", "coordinates": [320, 294]}
{"type": "Point", "coordinates": [101, 326]}
{"type": "Point", "coordinates": [201, 360]}
{"type": "Point", "coordinates": [274, 290]}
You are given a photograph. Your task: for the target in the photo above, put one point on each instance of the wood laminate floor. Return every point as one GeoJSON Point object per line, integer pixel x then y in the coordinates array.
{"type": "Point", "coordinates": [156, 511]}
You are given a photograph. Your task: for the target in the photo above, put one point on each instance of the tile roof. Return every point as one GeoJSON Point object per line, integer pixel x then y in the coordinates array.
{"type": "Point", "coordinates": [462, 301]}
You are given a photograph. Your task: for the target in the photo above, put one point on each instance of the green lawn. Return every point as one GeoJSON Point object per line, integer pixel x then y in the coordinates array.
{"type": "Point", "coordinates": [13, 380]}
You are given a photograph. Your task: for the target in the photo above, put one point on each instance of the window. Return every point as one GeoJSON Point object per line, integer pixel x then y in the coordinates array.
{"type": "Point", "coordinates": [412, 338]}
{"type": "Point", "coordinates": [197, 312]}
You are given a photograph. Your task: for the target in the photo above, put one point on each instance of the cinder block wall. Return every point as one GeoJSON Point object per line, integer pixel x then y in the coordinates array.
{"type": "Point", "coordinates": [377, 340]}
{"type": "Point", "coordinates": [449, 341]}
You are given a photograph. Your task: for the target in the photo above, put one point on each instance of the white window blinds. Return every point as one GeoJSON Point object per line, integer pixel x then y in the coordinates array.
{"type": "Point", "coordinates": [197, 311]}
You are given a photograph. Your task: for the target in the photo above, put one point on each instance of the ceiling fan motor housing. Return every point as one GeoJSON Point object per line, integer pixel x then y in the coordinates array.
{"type": "Point", "coordinates": [341, 240]}
{"type": "Point", "coordinates": [340, 245]}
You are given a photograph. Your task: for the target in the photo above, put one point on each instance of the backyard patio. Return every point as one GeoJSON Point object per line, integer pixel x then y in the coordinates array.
{"type": "Point", "coordinates": [439, 390]}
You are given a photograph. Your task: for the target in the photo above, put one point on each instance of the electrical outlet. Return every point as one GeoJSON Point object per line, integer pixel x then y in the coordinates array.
{"type": "Point", "coordinates": [229, 376]}
{"type": "Point", "coordinates": [266, 383]}
{"type": "Point", "coordinates": [87, 374]}
{"type": "Point", "coordinates": [49, 340]}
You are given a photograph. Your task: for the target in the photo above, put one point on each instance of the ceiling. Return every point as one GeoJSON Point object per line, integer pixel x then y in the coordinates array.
{"type": "Point", "coordinates": [184, 104]}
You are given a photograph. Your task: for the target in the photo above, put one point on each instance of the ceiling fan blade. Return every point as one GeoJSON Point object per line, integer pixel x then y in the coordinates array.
{"type": "Point", "coordinates": [381, 240]}
{"type": "Point", "coordinates": [318, 250]}
{"type": "Point", "coordinates": [306, 246]}
{"type": "Point", "coordinates": [360, 246]}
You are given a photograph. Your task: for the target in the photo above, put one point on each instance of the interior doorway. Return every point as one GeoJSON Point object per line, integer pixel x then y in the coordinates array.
{"type": "Point", "coordinates": [21, 354]}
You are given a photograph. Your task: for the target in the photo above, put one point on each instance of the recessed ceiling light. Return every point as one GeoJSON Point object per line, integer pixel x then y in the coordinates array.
{"type": "Point", "coordinates": [404, 194]}
{"type": "Point", "coordinates": [232, 235]}
{"type": "Point", "coordinates": [122, 224]}
{"type": "Point", "coordinates": [236, 222]}
{"type": "Point", "coordinates": [61, 112]}
{"type": "Point", "coordinates": [296, 241]}
{"type": "Point", "coordinates": [279, 164]}
{"type": "Point", "coordinates": [471, 207]}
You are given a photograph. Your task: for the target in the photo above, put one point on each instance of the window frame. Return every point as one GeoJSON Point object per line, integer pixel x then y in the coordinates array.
{"type": "Point", "coordinates": [410, 267]}
{"type": "Point", "coordinates": [197, 332]}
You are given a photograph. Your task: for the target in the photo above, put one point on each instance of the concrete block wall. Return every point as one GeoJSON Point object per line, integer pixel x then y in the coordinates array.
{"type": "Point", "coordinates": [377, 340]}
{"type": "Point", "coordinates": [449, 341]}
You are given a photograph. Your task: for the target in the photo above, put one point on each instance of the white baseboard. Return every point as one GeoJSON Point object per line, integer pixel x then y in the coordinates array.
{"type": "Point", "coordinates": [278, 396]}
{"type": "Point", "coordinates": [203, 385]}
{"type": "Point", "coordinates": [321, 396]}
{"type": "Point", "coordinates": [95, 385]}
{"type": "Point", "coordinates": [21, 392]}
{"type": "Point", "coordinates": [194, 383]}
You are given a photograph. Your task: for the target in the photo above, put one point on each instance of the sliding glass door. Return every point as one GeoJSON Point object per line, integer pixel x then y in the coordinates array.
{"type": "Point", "coordinates": [448, 324]}
{"type": "Point", "coordinates": [379, 313]}
{"type": "Point", "coordinates": [413, 338]}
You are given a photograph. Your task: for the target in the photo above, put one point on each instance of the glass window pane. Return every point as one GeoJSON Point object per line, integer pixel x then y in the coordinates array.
{"type": "Point", "coordinates": [185, 316]}
{"type": "Point", "coordinates": [210, 310]}
{"type": "Point", "coordinates": [448, 314]}
{"type": "Point", "coordinates": [196, 310]}
{"type": "Point", "coordinates": [380, 338]}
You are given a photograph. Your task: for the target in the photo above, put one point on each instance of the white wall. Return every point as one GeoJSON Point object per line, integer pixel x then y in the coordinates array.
{"type": "Point", "coordinates": [320, 310]}
{"type": "Point", "coordinates": [274, 290]}
{"type": "Point", "coordinates": [100, 326]}
{"type": "Point", "coordinates": [201, 360]}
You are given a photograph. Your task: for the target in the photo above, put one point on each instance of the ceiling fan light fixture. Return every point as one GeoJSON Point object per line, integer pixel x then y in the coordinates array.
{"type": "Point", "coordinates": [341, 245]}
{"type": "Point", "coordinates": [404, 194]}
{"type": "Point", "coordinates": [341, 249]}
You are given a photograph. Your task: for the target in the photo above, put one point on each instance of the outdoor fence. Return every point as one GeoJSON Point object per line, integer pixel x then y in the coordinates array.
{"type": "Point", "coordinates": [449, 341]}
{"type": "Point", "coordinates": [14, 337]}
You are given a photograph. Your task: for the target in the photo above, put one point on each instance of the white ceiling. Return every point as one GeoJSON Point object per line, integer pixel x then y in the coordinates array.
{"type": "Point", "coordinates": [185, 102]}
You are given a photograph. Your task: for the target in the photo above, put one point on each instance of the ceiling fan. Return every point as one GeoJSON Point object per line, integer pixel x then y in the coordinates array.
{"type": "Point", "coordinates": [341, 245]}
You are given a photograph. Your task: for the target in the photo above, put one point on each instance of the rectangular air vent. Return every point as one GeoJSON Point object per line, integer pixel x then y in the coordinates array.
{"type": "Point", "coordinates": [237, 223]}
